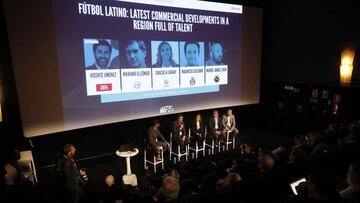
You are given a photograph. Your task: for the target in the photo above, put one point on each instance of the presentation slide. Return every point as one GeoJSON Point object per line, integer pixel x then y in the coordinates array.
{"type": "Point", "coordinates": [118, 60]}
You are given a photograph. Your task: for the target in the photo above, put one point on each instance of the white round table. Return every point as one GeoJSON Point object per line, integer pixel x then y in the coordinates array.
{"type": "Point", "coordinates": [128, 178]}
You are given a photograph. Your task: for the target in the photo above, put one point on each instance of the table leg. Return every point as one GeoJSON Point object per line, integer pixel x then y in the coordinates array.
{"type": "Point", "coordinates": [128, 168]}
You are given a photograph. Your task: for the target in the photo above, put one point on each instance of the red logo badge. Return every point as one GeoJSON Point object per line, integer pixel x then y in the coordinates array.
{"type": "Point", "coordinates": [103, 87]}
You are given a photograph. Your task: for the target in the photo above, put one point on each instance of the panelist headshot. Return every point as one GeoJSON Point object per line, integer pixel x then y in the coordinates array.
{"type": "Point", "coordinates": [136, 54]}
{"type": "Point", "coordinates": [98, 53]}
{"type": "Point", "coordinates": [193, 54]}
{"type": "Point", "coordinates": [165, 56]}
{"type": "Point", "coordinates": [216, 54]}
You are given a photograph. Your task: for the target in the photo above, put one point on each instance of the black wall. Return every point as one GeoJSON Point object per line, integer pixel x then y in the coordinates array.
{"type": "Point", "coordinates": [304, 39]}
{"type": "Point", "coordinates": [10, 128]}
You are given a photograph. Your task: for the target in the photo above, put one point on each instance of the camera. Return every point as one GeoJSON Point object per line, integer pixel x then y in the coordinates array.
{"type": "Point", "coordinates": [83, 178]}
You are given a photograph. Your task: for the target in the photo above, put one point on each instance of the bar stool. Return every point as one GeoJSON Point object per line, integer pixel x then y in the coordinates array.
{"type": "Point", "coordinates": [195, 146]}
{"type": "Point", "coordinates": [177, 151]}
{"type": "Point", "coordinates": [228, 141]}
{"type": "Point", "coordinates": [153, 160]}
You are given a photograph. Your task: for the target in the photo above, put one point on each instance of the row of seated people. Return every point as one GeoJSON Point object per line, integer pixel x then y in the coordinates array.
{"type": "Point", "coordinates": [218, 127]}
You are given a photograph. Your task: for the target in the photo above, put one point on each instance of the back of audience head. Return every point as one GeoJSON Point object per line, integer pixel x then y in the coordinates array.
{"type": "Point", "coordinates": [353, 175]}
{"type": "Point", "coordinates": [297, 155]}
{"type": "Point", "coordinates": [299, 139]}
{"type": "Point", "coordinates": [230, 179]}
{"type": "Point", "coordinates": [322, 183]}
{"type": "Point", "coordinates": [248, 149]}
{"type": "Point", "coordinates": [170, 188]}
{"type": "Point", "coordinates": [174, 173]}
{"type": "Point", "coordinates": [354, 134]}
{"type": "Point", "coordinates": [313, 138]}
{"type": "Point", "coordinates": [330, 129]}
{"type": "Point", "coordinates": [266, 162]}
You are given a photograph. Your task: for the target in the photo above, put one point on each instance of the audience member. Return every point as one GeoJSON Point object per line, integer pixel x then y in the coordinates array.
{"type": "Point", "coordinates": [112, 190]}
{"type": "Point", "coordinates": [229, 180]}
{"type": "Point", "coordinates": [11, 177]}
{"type": "Point", "coordinates": [352, 192]}
{"type": "Point", "coordinates": [266, 162]}
{"type": "Point", "coordinates": [353, 136]}
{"type": "Point", "coordinates": [321, 187]}
{"type": "Point", "coordinates": [169, 190]}
{"type": "Point", "coordinates": [297, 155]}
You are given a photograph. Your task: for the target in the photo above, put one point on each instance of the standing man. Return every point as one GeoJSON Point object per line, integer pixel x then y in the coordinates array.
{"type": "Point", "coordinates": [229, 124]}
{"type": "Point", "coordinates": [136, 54]}
{"type": "Point", "coordinates": [102, 52]}
{"type": "Point", "coordinates": [192, 51]}
{"type": "Point", "coordinates": [71, 177]}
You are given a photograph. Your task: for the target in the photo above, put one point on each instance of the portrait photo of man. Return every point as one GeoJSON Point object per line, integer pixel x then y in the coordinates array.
{"type": "Point", "coordinates": [136, 53]}
{"type": "Point", "coordinates": [99, 53]}
{"type": "Point", "coordinates": [192, 54]}
{"type": "Point", "coordinates": [215, 54]}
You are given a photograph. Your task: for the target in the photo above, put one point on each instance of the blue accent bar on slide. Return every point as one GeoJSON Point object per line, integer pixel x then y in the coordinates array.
{"type": "Point", "coordinates": [157, 93]}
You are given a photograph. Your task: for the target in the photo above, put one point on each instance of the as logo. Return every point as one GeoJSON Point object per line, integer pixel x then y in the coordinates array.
{"type": "Point", "coordinates": [166, 83]}
{"type": "Point", "coordinates": [192, 81]}
{"type": "Point", "coordinates": [167, 109]}
{"type": "Point", "coordinates": [137, 85]}
{"type": "Point", "coordinates": [103, 87]}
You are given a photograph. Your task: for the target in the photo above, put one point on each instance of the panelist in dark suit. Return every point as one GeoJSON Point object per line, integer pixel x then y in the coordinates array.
{"type": "Point", "coordinates": [179, 132]}
{"type": "Point", "coordinates": [229, 124]}
{"type": "Point", "coordinates": [198, 129]}
{"type": "Point", "coordinates": [215, 125]}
